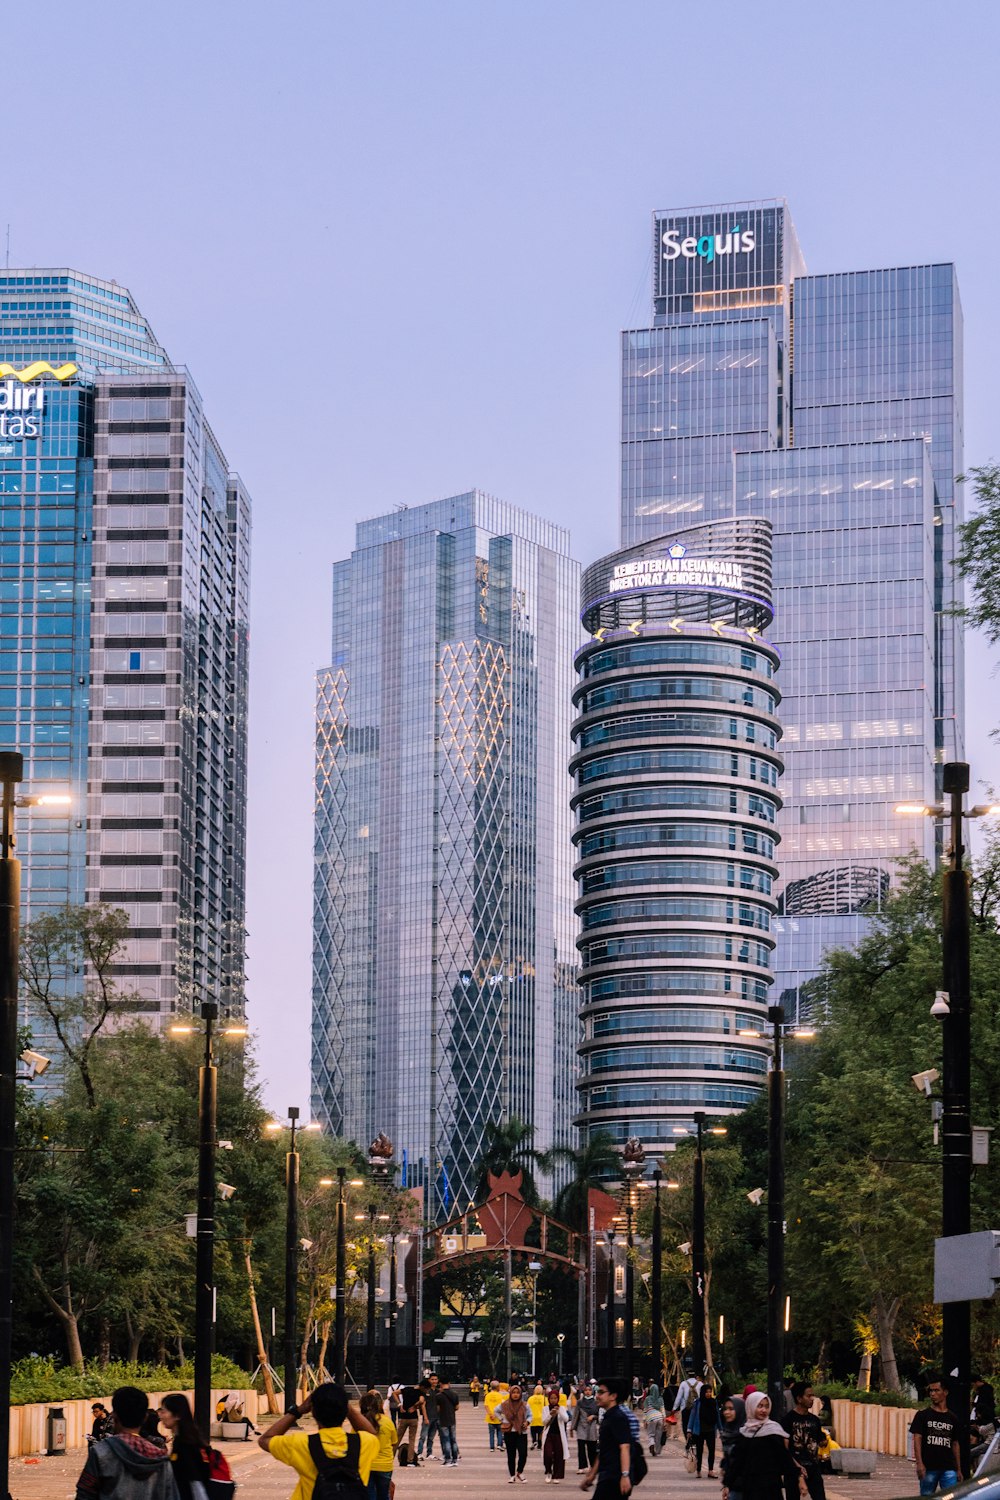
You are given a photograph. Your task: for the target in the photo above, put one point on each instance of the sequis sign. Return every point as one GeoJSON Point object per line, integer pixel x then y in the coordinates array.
{"type": "Point", "coordinates": [22, 398]}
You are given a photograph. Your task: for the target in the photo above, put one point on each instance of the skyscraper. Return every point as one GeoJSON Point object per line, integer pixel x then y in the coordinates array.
{"type": "Point", "coordinates": [831, 405]}
{"type": "Point", "coordinates": [444, 988]}
{"type": "Point", "coordinates": [124, 590]}
{"type": "Point", "coordinates": [676, 764]}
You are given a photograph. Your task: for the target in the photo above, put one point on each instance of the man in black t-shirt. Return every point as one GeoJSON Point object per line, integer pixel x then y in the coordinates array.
{"type": "Point", "coordinates": [411, 1411]}
{"type": "Point", "coordinates": [936, 1443]}
{"type": "Point", "coordinates": [612, 1466]}
{"type": "Point", "coordinates": [805, 1432]}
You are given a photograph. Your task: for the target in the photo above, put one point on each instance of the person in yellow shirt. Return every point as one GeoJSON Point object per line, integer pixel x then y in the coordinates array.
{"type": "Point", "coordinates": [536, 1406]}
{"type": "Point", "coordinates": [491, 1402]}
{"type": "Point", "coordinates": [380, 1483]}
{"type": "Point", "coordinates": [353, 1452]}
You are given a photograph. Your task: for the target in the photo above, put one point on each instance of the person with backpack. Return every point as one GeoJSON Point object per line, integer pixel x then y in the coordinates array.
{"type": "Point", "coordinates": [380, 1479]}
{"type": "Point", "coordinates": [684, 1402]}
{"type": "Point", "coordinates": [331, 1463]}
{"type": "Point", "coordinates": [124, 1463]}
{"type": "Point", "coordinates": [411, 1412]}
{"type": "Point", "coordinates": [619, 1465]}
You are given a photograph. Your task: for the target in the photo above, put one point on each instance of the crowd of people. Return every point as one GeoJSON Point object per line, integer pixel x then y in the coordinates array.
{"type": "Point", "coordinates": [755, 1453]}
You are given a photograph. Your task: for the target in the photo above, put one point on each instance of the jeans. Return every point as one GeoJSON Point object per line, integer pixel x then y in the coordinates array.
{"type": "Point", "coordinates": [378, 1486]}
{"type": "Point", "coordinates": [516, 1444]}
{"type": "Point", "coordinates": [449, 1444]}
{"type": "Point", "coordinates": [427, 1430]}
{"type": "Point", "coordinates": [946, 1478]}
{"type": "Point", "coordinates": [536, 1437]}
{"type": "Point", "coordinates": [701, 1441]}
{"type": "Point", "coordinates": [496, 1436]}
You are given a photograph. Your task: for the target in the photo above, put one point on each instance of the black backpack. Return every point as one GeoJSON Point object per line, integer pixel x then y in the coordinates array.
{"type": "Point", "coordinates": [638, 1466]}
{"type": "Point", "coordinates": [337, 1478]}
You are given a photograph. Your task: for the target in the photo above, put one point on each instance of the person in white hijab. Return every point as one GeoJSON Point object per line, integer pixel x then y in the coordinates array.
{"type": "Point", "coordinates": [760, 1464]}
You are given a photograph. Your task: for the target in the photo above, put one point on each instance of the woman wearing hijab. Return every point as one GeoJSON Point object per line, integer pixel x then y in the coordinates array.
{"type": "Point", "coordinates": [761, 1465]}
{"type": "Point", "coordinates": [708, 1420]}
{"type": "Point", "coordinates": [732, 1415]}
{"type": "Point", "coordinates": [652, 1415]}
{"type": "Point", "coordinates": [555, 1449]}
{"type": "Point", "coordinates": [583, 1422]}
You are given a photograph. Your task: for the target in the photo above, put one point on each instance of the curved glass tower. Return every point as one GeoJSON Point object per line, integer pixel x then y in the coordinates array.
{"type": "Point", "coordinates": [676, 769]}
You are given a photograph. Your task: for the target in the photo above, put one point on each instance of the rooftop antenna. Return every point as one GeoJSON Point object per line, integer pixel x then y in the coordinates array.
{"type": "Point", "coordinates": [8, 248]}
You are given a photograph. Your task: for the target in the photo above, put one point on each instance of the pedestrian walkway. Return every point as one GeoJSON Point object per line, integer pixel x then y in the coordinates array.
{"type": "Point", "coordinates": [479, 1475]}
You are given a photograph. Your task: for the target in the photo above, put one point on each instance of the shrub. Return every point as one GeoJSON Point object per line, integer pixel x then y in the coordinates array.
{"type": "Point", "coordinates": [40, 1379]}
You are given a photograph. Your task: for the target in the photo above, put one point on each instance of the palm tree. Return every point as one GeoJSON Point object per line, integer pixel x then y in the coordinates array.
{"type": "Point", "coordinates": [507, 1147]}
{"type": "Point", "coordinates": [592, 1165]}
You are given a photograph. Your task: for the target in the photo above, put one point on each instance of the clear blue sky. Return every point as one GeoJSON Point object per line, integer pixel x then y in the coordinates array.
{"type": "Point", "coordinates": [395, 242]}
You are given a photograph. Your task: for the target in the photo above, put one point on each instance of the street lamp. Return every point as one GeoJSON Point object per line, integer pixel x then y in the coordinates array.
{"type": "Point", "coordinates": [204, 1266]}
{"type": "Point", "coordinates": [292, 1248]}
{"type": "Point", "coordinates": [776, 1319]}
{"type": "Point", "coordinates": [954, 1010]}
{"type": "Point", "coordinates": [699, 1352]}
{"type": "Point", "coordinates": [633, 1165]}
{"type": "Point", "coordinates": [560, 1340]}
{"type": "Point", "coordinates": [340, 1283]}
{"type": "Point", "coordinates": [534, 1266]}
{"type": "Point", "coordinates": [11, 774]}
{"type": "Point", "coordinates": [612, 1353]}
{"type": "Point", "coordinates": [380, 1165]}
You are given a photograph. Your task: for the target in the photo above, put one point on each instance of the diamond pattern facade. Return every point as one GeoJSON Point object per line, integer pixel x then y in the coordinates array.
{"type": "Point", "coordinates": [444, 990]}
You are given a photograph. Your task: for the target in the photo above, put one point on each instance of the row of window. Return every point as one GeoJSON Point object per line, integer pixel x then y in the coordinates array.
{"type": "Point", "coordinates": [717, 762]}
{"type": "Point", "coordinates": [677, 872]}
{"type": "Point", "coordinates": [681, 652]}
{"type": "Point", "coordinates": [676, 1018]}
{"type": "Point", "coordinates": [709, 835]}
{"type": "Point", "coordinates": [640, 689]}
{"type": "Point", "coordinates": [716, 798]}
{"type": "Point", "coordinates": [682, 908]}
{"type": "Point", "coordinates": [677, 945]}
{"type": "Point", "coordinates": [720, 1059]}
{"type": "Point", "coordinates": [678, 981]}
{"type": "Point", "coordinates": [662, 726]}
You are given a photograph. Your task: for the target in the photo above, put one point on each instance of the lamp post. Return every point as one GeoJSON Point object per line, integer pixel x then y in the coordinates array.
{"type": "Point", "coordinates": [534, 1266]}
{"type": "Point", "coordinates": [380, 1165]}
{"type": "Point", "coordinates": [776, 1215]}
{"type": "Point", "coordinates": [204, 1274]}
{"type": "Point", "coordinates": [340, 1287]}
{"type": "Point", "coordinates": [633, 1165]}
{"type": "Point", "coordinates": [11, 772]}
{"type": "Point", "coordinates": [956, 1089]}
{"type": "Point", "coordinates": [291, 1252]}
{"type": "Point", "coordinates": [560, 1340]}
{"type": "Point", "coordinates": [612, 1352]}
{"type": "Point", "coordinates": [956, 1049]}
{"type": "Point", "coordinates": [698, 1254]}
{"type": "Point", "coordinates": [11, 775]}
{"type": "Point", "coordinates": [204, 1271]}
{"type": "Point", "coordinates": [656, 1283]}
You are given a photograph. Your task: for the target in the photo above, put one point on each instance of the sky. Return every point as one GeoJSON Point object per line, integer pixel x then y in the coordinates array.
{"type": "Point", "coordinates": [395, 243]}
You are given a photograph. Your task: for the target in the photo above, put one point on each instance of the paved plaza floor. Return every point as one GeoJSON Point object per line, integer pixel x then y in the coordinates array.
{"type": "Point", "coordinates": [478, 1475]}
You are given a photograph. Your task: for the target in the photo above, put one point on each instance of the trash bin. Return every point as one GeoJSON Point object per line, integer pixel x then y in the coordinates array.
{"type": "Point", "coordinates": [56, 1431]}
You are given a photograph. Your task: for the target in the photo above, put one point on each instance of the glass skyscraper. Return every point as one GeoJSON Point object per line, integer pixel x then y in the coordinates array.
{"type": "Point", "coordinates": [832, 406]}
{"type": "Point", "coordinates": [124, 592]}
{"type": "Point", "coordinates": [676, 763]}
{"type": "Point", "coordinates": [444, 988]}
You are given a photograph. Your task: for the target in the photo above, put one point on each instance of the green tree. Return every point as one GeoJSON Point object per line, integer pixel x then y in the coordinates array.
{"type": "Point", "coordinates": [979, 552]}
{"type": "Point", "coordinates": [68, 961]}
{"type": "Point", "coordinates": [507, 1148]}
{"type": "Point", "coordinates": [592, 1165]}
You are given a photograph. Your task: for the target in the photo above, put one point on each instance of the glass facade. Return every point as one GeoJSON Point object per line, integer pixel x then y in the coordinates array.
{"type": "Point", "coordinates": [444, 990]}
{"type": "Point", "coordinates": [832, 405]}
{"type": "Point", "coordinates": [676, 829]}
{"type": "Point", "coordinates": [124, 591]}
{"type": "Point", "coordinates": [444, 963]}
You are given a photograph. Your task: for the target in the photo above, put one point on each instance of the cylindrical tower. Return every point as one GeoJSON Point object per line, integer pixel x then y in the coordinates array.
{"type": "Point", "coordinates": [676, 793]}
